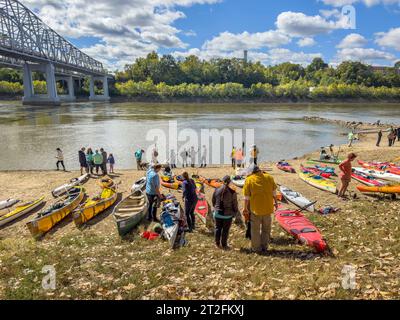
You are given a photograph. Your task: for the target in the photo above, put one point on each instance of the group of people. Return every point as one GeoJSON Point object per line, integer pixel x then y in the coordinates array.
{"type": "Point", "coordinates": [90, 161]}
{"type": "Point", "coordinates": [393, 135]}
{"type": "Point", "coordinates": [238, 159]}
{"type": "Point", "coordinates": [260, 202]}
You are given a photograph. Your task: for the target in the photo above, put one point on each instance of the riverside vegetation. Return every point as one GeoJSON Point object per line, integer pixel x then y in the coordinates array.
{"type": "Point", "coordinates": [165, 78]}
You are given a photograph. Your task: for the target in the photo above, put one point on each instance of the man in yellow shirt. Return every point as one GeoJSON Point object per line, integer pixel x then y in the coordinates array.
{"type": "Point", "coordinates": [260, 202]}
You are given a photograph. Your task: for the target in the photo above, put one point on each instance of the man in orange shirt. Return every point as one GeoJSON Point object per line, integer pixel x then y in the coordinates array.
{"type": "Point", "coordinates": [345, 175]}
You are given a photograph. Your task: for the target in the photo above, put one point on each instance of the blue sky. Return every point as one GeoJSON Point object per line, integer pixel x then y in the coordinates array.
{"type": "Point", "coordinates": [117, 32]}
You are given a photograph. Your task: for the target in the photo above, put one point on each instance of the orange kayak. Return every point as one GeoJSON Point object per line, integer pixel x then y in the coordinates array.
{"type": "Point", "coordinates": [384, 189]}
{"type": "Point", "coordinates": [171, 185]}
{"type": "Point", "coordinates": [214, 183]}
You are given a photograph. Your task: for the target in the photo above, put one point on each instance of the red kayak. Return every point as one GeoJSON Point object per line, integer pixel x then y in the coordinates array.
{"type": "Point", "coordinates": [284, 166]}
{"type": "Point", "coordinates": [367, 180]}
{"type": "Point", "coordinates": [201, 209]}
{"type": "Point", "coordinates": [385, 166]}
{"type": "Point", "coordinates": [301, 229]}
{"type": "Point", "coordinates": [316, 171]}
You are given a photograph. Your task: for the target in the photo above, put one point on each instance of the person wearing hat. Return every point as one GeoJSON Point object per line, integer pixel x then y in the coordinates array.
{"type": "Point", "coordinates": [260, 202]}
{"type": "Point", "coordinates": [225, 205]}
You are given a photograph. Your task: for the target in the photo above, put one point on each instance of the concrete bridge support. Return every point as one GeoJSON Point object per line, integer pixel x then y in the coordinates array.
{"type": "Point", "coordinates": [30, 97]}
{"type": "Point", "coordinates": [70, 97]}
{"type": "Point", "coordinates": [105, 96]}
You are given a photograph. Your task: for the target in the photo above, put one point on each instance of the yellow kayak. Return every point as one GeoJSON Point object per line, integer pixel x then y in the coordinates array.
{"type": "Point", "coordinates": [94, 206]}
{"type": "Point", "coordinates": [318, 182]}
{"type": "Point", "coordinates": [20, 211]}
{"type": "Point", "coordinates": [48, 218]}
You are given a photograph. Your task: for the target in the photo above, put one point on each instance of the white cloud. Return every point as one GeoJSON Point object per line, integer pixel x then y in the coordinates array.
{"type": "Point", "coordinates": [306, 42]}
{"type": "Point", "coordinates": [368, 3]}
{"type": "Point", "coordinates": [366, 55]}
{"type": "Point", "coordinates": [390, 39]}
{"type": "Point", "coordinates": [353, 40]}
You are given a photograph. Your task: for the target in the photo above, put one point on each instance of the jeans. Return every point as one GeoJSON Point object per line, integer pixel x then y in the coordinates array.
{"type": "Point", "coordinates": [190, 206]}
{"type": "Point", "coordinates": [60, 162]}
{"type": "Point", "coordinates": [98, 166]}
{"type": "Point", "coordinates": [152, 212]}
{"type": "Point", "coordinates": [222, 227]}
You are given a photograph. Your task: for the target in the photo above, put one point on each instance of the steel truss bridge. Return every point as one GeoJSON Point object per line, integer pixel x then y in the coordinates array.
{"type": "Point", "coordinates": [27, 42]}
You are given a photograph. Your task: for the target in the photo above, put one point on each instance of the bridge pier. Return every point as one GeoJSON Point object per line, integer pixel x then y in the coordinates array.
{"type": "Point", "coordinates": [70, 97]}
{"type": "Point", "coordinates": [105, 96]}
{"type": "Point", "coordinates": [30, 98]}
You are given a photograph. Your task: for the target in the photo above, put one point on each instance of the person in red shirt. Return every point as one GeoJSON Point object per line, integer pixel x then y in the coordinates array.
{"type": "Point", "coordinates": [345, 175]}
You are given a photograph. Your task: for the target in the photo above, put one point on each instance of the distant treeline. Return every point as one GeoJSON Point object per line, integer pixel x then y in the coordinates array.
{"type": "Point", "coordinates": [165, 78]}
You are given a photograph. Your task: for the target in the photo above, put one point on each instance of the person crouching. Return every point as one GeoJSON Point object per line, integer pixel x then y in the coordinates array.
{"type": "Point", "coordinates": [225, 205]}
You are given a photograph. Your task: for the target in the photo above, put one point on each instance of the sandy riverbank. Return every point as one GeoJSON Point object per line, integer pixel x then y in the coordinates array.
{"type": "Point", "coordinates": [95, 263]}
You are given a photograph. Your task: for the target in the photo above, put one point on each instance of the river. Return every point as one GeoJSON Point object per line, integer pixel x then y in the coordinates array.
{"type": "Point", "coordinates": [30, 135]}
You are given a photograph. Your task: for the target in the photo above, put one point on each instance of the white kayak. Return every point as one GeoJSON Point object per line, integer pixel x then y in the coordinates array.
{"type": "Point", "coordinates": [68, 186]}
{"type": "Point", "coordinates": [139, 185]}
{"type": "Point", "coordinates": [7, 203]}
{"type": "Point", "coordinates": [379, 174]}
{"type": "Point", "coordinates": [238, 181]}
{"type": "Point", "coordinates": [296, 198]}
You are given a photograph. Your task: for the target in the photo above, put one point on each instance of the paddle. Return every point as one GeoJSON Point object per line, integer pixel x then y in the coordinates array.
{"type": "Point", "coordinates": [305, 208]}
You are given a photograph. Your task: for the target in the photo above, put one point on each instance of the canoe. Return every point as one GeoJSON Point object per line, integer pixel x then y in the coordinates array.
{"type": "Point", "coordinates": [379, 174]}
{"type": "Point", "coordinates": [296, 198]}
{"type": "Point", "coordinates": [316, 171]}
{"type": "Point", "coordinates": [49, 217]}
{"type": "Point", "coordinates": [106, 182]}
{"type": "Point", "coordinates": [68, 186]}
{"type": "Point", "coordinates": [318, 182]}
{"type": "Point", "coordinates": [8, 203]}
{"type": "Point", "coordinates": [366, 179]}
{"type": "Point", "coordinates": [238, 181]}
{"type": "Point", "coordinates": [213, 183]}
{"type": "Point", "coordinates": [139, 185]}
{"type": "Point", "coordinates": [19, 211]}
{"type": "Point", "coordinates": [130, 212]}
{"type": "Point", "coordinates": [298, 226]}
{"type": "Point", "coordinates": [172, 221]}
{"type": "Point", "coordinates": [286, 167]}
{"type": "Point", "coordinates": [384, 189]}
{"type": "Point", "coordinates": [202, 207]}
{"type": "Point", "coordinates": [95, 206]}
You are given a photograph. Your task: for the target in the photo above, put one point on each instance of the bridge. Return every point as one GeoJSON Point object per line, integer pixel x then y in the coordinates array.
{"type": "Point", "coordinates": [29, 44]}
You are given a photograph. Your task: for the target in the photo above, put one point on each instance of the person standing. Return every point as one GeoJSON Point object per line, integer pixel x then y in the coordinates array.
{"type": "Point", "coordinates": [233, 158]}
{"type": "Point", "coordinates": [154, 155]}
{"type": "Point", "coordinates": [239, 158]}
{"type": "Point", "coordinates": [153, 191]}
{"type": "Point", "coordinates": [138, 156]}
{"type": "Point", "coordinates": [82, 161]}
{"type": "Point", "coordinates": [111, 162]}
{"type": "Point", "coordinates": [350, 137]}
{"type": "Point", "coordinates": [254, 154]}
{"type": "Point", "coordinates": [394, 137]}
{"type": "Point", "coordinates": [60, 159]}
{"type": "Point", "coordinates": [89, 160]}
{"type": "Point", "coordinates": [203, 163]}
{"type": "Point", "coordinates": [380, 134]}
{"type": "Point", "coordinates": [98, 161]}
{"type": "Point", "coordinates": [390, 137]}
{"type": "Point", "coordinates": [260, 200]}
{"type": "Point", "coordinates": [190, 199]}
{"type": "Point", "coordinates": [104, 163]}
{"type": "Point", "coordinates": [184, 155]}
{"type": "Point", "coordinates": [398, 134]}
{"type": "Point", "coordinates": [172, 159]}
{"type": "Point", "coordinates": [225, 205]}
{"type": "Point", "coordinates": [192, 157]}
{"type": "Point", "coordinates": [345, 175]}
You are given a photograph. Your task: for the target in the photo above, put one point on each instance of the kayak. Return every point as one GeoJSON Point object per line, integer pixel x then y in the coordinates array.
{"type": "Point", "coordinates": [130, 212]}
{"type": "Point", "coordinates": [19, 211]}
{"type": "Point", "coordinates": [318, 182]}
{"type": "Point", "coordinates": [95, 206]}
{"type": "Point", "coordinates": [106, 182]}
{"type": "Point", "coordinates": [238, 181]}
{"type": "Point", "coordinates": [172, 221]}
{"type": "Point", "coordinates": [8, 203]}
{"type": "Point", "coordinates": [171, 185]}
{"type": "Point", "coordinates": [379, 174]}
{"type": "Point", "coordinates": [296, 198]}
{"type": "Point", "coordinates": [366, 179]}
{"type": "Point", "coordinates": [384, 166]}
{"type": "Point", "coordinates": [326, 169]}
{"type": "Point", "coordinates": [316, 171]}
{"type": "Point", "coordinates": [68, 186]}
{"type": "Point", "coordinates": [139, 185]}
{"type": "Point", "coordinates": [286, 167]}
{"type": "Point", "coordinates": [202, 207]}
{"type": "Point", "coordinates": [301, 229]}
{"type": "Point", "coordinates": [48, 218]}
{"type": "Point", "coordinates": [214, 183]}
{"type": "Point", "coordinates": [333, 161]}
{"type": "Point", "coordinates": [384, 189]}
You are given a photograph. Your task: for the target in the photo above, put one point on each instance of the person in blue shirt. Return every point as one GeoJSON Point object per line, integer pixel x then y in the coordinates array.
{"type": "Point", "coordinates": [190, 199]}
{"type": "Point", "coordinates": [153, 191]}
{"type": "Point", "coordinates": [111, 162]}
{"type": "Point", "coordinates": [138, 157]}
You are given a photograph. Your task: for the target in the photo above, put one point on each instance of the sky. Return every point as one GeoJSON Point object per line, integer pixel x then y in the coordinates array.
{"type": "Point", "coordinates": [116, 32]}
